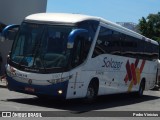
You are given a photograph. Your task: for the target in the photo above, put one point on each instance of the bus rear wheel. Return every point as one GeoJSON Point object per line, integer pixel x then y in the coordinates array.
{"type": "Point", "coordinates": [141, 89]}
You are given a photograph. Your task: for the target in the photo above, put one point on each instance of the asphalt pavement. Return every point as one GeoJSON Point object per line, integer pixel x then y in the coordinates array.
{"type": "Point", "coordinates": [13, 101]}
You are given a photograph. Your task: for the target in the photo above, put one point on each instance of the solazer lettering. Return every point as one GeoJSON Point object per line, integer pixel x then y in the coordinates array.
{"type": "Point", "coordinates": [112, 63]}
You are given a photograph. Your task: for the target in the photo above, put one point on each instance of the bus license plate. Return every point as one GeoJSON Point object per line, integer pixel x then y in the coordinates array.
{"type": "Point", "coordinates": [29, 89]}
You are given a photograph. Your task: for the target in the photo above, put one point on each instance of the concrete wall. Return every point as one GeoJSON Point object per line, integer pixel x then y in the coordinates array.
{"type": "Point", "coordinates": [5, 47]}
{"type": "Point", "coordinates": [14, 11]}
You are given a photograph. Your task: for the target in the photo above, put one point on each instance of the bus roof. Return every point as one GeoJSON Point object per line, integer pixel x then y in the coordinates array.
{"type": "Point", "coordinates": [69, 18]}
{"type": "Point", "coordinates": [60, 17]}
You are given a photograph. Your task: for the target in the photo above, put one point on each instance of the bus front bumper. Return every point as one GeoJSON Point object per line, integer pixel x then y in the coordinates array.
{"type": "Point", "coordinates": [58, 90]}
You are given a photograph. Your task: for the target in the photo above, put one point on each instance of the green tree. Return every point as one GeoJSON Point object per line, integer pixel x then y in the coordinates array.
{"type": "Point", "coordinates": [150, 26]}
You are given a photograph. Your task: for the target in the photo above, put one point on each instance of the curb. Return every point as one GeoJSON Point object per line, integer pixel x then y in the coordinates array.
{"type": "Point", "coordinates": [156, 88]}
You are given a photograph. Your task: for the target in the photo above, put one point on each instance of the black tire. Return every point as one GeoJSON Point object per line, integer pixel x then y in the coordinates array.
{"type": "Point", "coordinates": [92, 92]}
{"type": "Point", "coordinates": [141, 89]}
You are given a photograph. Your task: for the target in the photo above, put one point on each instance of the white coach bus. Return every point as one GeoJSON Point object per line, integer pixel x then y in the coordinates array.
{"type": "Point", "coordinates": [78, 56]}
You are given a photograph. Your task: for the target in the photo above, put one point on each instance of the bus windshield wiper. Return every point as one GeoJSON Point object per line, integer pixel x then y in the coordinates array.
{"type": "Point", "coordinates": [33, 52]}
{"type": "Point", "coordinates": [36, 53]}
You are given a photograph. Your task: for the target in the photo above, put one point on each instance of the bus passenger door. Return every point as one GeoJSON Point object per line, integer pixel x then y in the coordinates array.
{"type": "Point", "coordinates": [78, 56]}
{"type": "Point", "coordinates": [75, 82]}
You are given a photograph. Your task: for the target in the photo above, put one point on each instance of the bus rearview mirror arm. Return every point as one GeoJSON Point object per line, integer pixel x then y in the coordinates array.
{"type": "Point", "coordinates": [7, 28]}
{"type": "Point", "coordinates": [73, 34]}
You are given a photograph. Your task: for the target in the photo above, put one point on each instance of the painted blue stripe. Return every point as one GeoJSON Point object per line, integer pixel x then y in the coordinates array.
{"type": "Point", "coordinates": [51, 90]}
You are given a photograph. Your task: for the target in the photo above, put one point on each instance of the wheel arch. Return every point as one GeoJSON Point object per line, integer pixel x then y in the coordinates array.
{"type": "Point", "coordinates": [95, 81]}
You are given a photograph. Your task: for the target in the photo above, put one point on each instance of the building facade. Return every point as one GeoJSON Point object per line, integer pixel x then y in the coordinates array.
{"type": "Point", "coordinates": [13, 12]}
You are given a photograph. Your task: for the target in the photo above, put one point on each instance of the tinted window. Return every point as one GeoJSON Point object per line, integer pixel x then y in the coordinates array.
{"type": "Point", "coordinates": [89, 25]}
{"type": "Point", "coordinates": [104, 42]}
{"type": "Point", "coordinates": [128, 46]}
{"type": "Point", "coordinates": [116, 43]}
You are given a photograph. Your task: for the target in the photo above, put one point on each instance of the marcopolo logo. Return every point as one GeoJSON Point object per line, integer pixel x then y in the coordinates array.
{"type": "Point", "coordinates": [110, 63]}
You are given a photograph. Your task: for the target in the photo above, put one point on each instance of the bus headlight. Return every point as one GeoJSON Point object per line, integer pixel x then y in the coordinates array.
{"type": "Point", "coordinates": [55, 81]}
{"type": "Point", "coordinates": [60, 91]}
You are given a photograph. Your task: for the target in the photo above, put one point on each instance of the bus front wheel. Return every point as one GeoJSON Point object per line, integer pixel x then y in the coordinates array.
{"type": "Point", "coordinates": [92, 92]}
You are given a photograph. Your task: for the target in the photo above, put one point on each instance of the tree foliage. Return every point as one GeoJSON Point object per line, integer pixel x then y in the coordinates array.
{"type": "Point", "coordinates": [150, 26]}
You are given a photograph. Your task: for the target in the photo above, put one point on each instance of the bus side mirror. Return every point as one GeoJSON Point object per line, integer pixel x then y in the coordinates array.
{"type": "Point", "coordinates": [74, 34]}
{"type": "Point", "coordinates": [9, 32]}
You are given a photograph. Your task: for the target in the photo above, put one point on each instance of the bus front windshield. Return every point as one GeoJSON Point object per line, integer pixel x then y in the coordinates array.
{"type": "Point", "coordinates": [41, 46]}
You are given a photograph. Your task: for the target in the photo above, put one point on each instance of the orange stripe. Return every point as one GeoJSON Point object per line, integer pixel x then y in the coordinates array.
{"type": "Point", "coordinates": [138, 75]}
{"type": "Point", "coordinates": [130, 86]}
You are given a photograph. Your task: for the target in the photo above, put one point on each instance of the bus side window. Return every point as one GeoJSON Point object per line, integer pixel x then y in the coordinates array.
{"type": "Point", "coordinates": [80, 50]}
{"type": "Point", "coordinates": [77, 52]}
{"type": "Point", "coordinates": [104, 42]}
